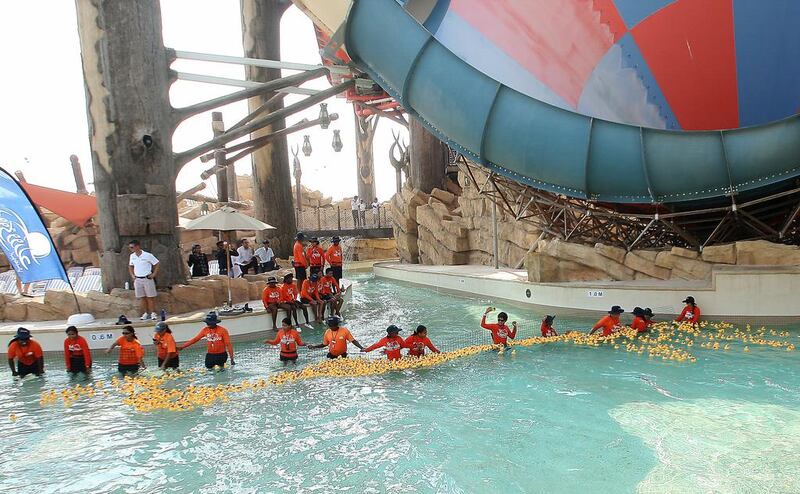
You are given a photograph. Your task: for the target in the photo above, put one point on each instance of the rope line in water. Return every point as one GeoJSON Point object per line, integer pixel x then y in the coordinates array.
{"type": "Point", "coordinates": [667, 341]}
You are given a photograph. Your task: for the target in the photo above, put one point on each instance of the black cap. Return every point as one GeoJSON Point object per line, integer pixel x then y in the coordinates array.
{"type": "Point", "coordinates": [211, 317]}
{"type": "Point", "coordinates": [314, 276]}
{"type": "Point", "coordinates": [122, 320]}
{"type": "Point", "coordinates": [161, 326]}
{"type": "Point", "coordinates": [638, 311]}
{"type": "Point", "coordinates": [332, 321]}
{"type": "Point", "coordinates": [287, 276]}
{"type": "Point", "coordinates": [549, 319]}
{"type": "Point", "coordinates": [688, 300]}
{"type": "Point", "coordinates": [272, 279]}
{"type": "Point", "coordinates": [393, 329]}
{"type": "Point", "coordinates": [314, 240]}
{"type": "Point", "coordinates": [300, 236]}
{"type": "Point", "coordinates": [23, 334]}
{"type": "Point", "coordinates": [616, 310]}
{"type": "Point", "coordinates": [336, 239]}
{"type": "Point", "coordinates": [648, 312]}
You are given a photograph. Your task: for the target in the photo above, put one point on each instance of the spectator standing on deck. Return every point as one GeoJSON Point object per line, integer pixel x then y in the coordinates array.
{"type": "Point", "coordinates": [198, 262]}
{"type": "Point", "coordinates": [335, 258]}
{"type": "Point", "coordinates": [375, 212]}
{"type": "Point", "coordinates": [354, 208]}
{"type": "Point", "coordinates": [143, 267]}
{"type": "Point", "coordinates": [246, 260]}
{"type": "Point", "coordinates": [362, 213]}
{"type": "Point", "coordinates": [266, 258]}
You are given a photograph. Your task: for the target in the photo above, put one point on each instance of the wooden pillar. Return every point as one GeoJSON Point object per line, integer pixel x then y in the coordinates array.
{"type": "Point", "coordinates": [365, 157]}
{"type": "Point", "coordinates": [80, 185]}
{"type": "Point", "coordinates": [429, 158]}
{"type": "Point", "coordinates": [272, 187]}
{"type": "Point", "coordinates": [218, 128]}
{"type": "Point", "coordinates": [127, 78]}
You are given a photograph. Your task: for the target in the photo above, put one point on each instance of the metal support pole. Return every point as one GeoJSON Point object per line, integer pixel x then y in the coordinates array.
{"type": "Point", "coordinates": [80, 185]}
{"type": "Point", "coordinates": [495, 246]}
{"type": "Point", "coordinates": [218, 127]}
{"type": "Point", "coordinates": [338, 218]}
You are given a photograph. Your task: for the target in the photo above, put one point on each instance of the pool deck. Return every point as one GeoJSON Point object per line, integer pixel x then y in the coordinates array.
{"type": "Point", "coordinates": [763, 292]}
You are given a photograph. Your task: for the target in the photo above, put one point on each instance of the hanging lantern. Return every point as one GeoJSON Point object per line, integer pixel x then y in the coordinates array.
{"type": "Point", "coordinates": [306, 146]}
{"type": "Point", "coordinates": [337, 141]}
{"type": "Point", "coordinates": [324, 118]}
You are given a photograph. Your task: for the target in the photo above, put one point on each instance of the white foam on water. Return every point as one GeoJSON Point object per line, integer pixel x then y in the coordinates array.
{"type": "Point", "coordinates": [716, 445]}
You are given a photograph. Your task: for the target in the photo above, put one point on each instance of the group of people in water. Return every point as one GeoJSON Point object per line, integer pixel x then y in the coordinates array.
{"type": "Point", "coordinates": [29, 358]}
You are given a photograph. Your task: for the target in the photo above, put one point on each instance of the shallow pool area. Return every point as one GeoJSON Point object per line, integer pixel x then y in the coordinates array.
{"type": "Point", "coordinates": [543, 418]}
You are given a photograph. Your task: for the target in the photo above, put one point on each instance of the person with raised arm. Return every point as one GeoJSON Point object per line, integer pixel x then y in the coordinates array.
{"type": "Point", "coordinates": [500, 331]}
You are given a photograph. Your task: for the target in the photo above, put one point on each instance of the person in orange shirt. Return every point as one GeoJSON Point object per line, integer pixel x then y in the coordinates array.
{"type": "Point", "coordinates": [77, 355]}
{"type": "Point", "coordinates": [391, 344]}
{"type": "Point", "coordinates": [27, 352]}
{"type": "Point", "coordinates": [289, 339]}
{"type": "Point", "coordinates": [309, 295]}
{"type": "Point", "coordinates": [218, 342]}
{"type": "Point", "coordinates": [639, 320]}
{"type": "Point", "coordinates": [330, 293]}
{"type": "Point", "coordinates": [315, 256]}
{"type": "Point", "coordinates": [131, 353]}
{"type": "Point", "coordinates": [417, 342]}
{"type": "Point", "coordinates": [609, 323]}
{"type": "Point", "coordinates": [166, 349]}
{"type": "Point", "coordinates": [690, 313]}
{"type": "Point", "coordinates": [547, 327]}
{"type": "Point", "coordinates": [271, 296]}
{"type": "Point", "coordinates": [299, 260]}
{"type": "Point", "coordinates": [335, 258]}
{"type": "Point", "coordinates": [500, 332]}
{"type": "Point", "coordinates": [336, 339]}
{"type": "Point", "coordinates": [290, 297]}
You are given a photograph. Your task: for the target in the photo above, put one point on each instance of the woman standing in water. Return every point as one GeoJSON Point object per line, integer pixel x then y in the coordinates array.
{"type": "Point", "coordinates": [77, 355]}
{"type": "Point", "coordinates": [131, 353]}
{"type": "Point", "coordinates": [418, 341]}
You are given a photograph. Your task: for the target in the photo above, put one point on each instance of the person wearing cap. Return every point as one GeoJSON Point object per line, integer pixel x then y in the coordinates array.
{"type": "Point", "coordinates": [609, 323]}
{"type": "Point", "coordinates": [299, 260]}
{"type": "Point", "coordinates": [198, 262]}
{"type": "Point", "coordinates": [166, 349]}
{"type": "Point", "coordinates": [271, 297]}
{"type": "Point", "coordinates": [218, 342]}
{"type": "Point", "coordinates": [266, 258]}
{"type": "Point", "coordinates": [77, 356]}
{"type": "Point", "coordinates": [28, 354]}
{"type": "Point", "coordinates": [335, 258]}
{"type": "Point", "coordinates": [315, 256]}
{"type": "Point", "coordinates": [309, 295]}
{"type": "Point", "coordinates": [648, 316]}
{"type": "Point", "coordinates": [131, 353]}
{"type": "Point", "coordinates": [330, 292]}
{"type": "Point", "coordinates": [547, 327]}
{"type": "Point", "coordinates": [392, 343]}
{"type": "Point", "coordinates": [418, 341]}
{"type": "Point", "coordinates": [500, 331]}
{"type": "Point", "coordinates": [290, 298]}
{"type": "Point", "coordinates": [690, 312]}
{"type": "Point", "coordinates": [336, 338]}
{"type": "Point", "coordinates": [639, 322]}
{"type": "Point", "coordinates": [289, 339]}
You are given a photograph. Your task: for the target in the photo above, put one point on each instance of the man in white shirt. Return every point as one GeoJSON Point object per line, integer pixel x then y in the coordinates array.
{"type": "Point", "coordinates": [362, 210]}
{"type": "Point", "coordinates": [354, 207]}
{"type": "Point", "coordinates": [246, 261]}
{"type": "Point", "coordinates": [266, 258]}
{"type": "Point", "coordinates": [143, 267]}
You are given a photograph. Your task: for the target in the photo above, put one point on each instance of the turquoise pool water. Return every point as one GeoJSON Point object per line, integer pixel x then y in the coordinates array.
{"type": "Point", "coordinates": [555, 418]}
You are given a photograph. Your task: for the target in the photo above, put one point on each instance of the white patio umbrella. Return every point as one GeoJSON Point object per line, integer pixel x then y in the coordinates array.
{"type": "Point", "coordinates": [226, 219]}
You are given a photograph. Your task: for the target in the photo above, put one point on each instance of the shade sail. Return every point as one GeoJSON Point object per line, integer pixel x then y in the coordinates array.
{"type": "Point", "coordinates": [227, 219]}
{"type": "Point", "coordinates": [77, 208]}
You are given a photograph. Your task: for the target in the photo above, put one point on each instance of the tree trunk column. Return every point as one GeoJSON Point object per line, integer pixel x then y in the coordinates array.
{"type": "Point", "coordinates": [365, 156]}
{"type": "Point", "coordinates": [429, 158]}
{"type": "Point", "coordinates": [127, 79]}
{"type": "Point", "coordinates": [272, 194]}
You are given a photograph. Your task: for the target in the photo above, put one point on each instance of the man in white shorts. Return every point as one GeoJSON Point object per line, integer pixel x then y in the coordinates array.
{"type": "Point", "coordinates": [144, 267]}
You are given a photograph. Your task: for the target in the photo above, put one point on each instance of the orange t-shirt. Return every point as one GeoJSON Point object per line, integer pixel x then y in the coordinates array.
{"type": "Point", "coordinates": [689, 314]}
{"type": "Point", "coordinates": [299, 259]}
{"type": "Point", "coordinates": [327, 285]}
{"type": "Point", "coordinates": [271, 295]}
{"type": "Point", "coordinates": [310, 290]}
{"type": "Point", "coordinates": [639, 324]}
{"type": "Point", "coordinates": [130, 352]}
{"type": "Point", "coordinates": [165, 344]}
{"type": "Point", "coordinates": [416, 345]}
{"type": "Point", "coordinates": [391, 347]}
{"type": "Point", "coordinates": [500, 332]}
{"type": "Point", "coordinates": [217, 340]}
{"type": "Point", "coordinates": [315, 255]}
{"type": "Point", "coordinates": [546, 330]}
{"type": "Point", "coordinates": [77, 348]}
{"type": "Point", "coordinates": [337, 340]}
{"type": "Point", "coordinates": [608, 323]}
{"type": "Point", "coordinates": [27, 355]}
{"type": "Point", "coordinates": [334, 255]}
{"type": "Point", "coordinates": [289, 339]}
{"type": "Point", "coordinates": [288, 292]}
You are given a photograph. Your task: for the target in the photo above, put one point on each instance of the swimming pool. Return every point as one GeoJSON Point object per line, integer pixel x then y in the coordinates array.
{"type": "Point", "coordinates": [545, 418]}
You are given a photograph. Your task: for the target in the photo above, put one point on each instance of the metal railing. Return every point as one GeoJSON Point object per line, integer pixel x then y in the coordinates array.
{"type": "Point", "coordinates": [336, 218]}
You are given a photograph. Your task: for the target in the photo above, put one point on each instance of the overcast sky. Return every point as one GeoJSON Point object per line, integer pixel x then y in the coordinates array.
{"type": "Point", "coordinates": [44, 114]}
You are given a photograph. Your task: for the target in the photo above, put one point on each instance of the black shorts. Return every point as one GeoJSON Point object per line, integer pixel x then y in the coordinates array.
{"type": "Point", "coordinates": [126, 368]}
{"type": "Point", "coordinates": [326, 297]}
{"type": "Point", "coordinates": [332, 356]}
{"type": "Point", "coordinates": [288, 358]}
{"type": "Point", "coordinates": [315, 269]}
{"type": "Point", "coordinates": [299, 273]}
{"type": "Point", "coordinates": [337, 272]}
{"type": "Point", "coordinates": [214, 359]}
{"type": "Point", "coordinates": [267, 266]}
{"type": "Point", "coordinates": [23, 370]}
{"type": "Point", "coordinates": [173, 363]}
{"type": "Point", "coordinates": [77, 364]}
{"type": "Point", "coordinates": [306, 301]}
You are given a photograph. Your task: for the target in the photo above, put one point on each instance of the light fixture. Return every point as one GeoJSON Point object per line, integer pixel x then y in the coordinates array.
{"type": "Point", "coordinates": [324, 118]}
{"type": "Point", "coordinates": [306, 146]}
{"type": "Point", "coordinates": [337, 141]}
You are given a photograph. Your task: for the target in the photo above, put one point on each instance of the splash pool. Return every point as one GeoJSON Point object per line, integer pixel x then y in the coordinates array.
{"type": "Point", "coordinates": [544, 418]}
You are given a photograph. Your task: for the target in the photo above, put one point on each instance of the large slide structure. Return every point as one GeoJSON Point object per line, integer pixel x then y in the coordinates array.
{"type": "Point", "coordinates": [665, 104]}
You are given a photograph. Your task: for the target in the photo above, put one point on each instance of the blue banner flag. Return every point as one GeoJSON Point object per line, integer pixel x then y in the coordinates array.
{"type": "Point", "coordinates": [24, 238]}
